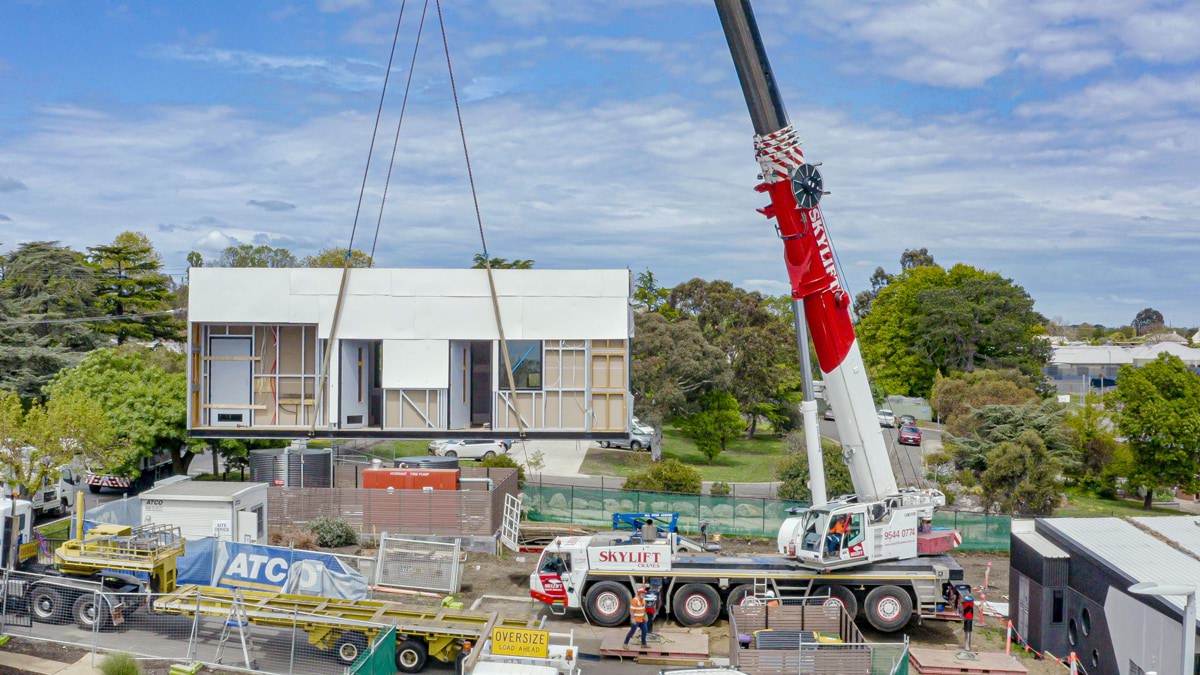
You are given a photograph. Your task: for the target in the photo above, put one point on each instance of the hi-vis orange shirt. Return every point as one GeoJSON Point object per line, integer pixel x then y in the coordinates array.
{"type": "Point", "coordinates": [637, 609]}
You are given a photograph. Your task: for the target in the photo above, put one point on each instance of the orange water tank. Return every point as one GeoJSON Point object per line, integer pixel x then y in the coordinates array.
{"type": "Point", "coordinates": [410, 479]}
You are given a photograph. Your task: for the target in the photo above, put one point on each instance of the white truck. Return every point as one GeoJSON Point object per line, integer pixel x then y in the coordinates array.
{"type": "Point", "coordinates": [597, 574]}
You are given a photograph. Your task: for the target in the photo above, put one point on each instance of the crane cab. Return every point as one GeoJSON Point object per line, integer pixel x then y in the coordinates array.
{"type": "Point", "coordinates": [845, 533]}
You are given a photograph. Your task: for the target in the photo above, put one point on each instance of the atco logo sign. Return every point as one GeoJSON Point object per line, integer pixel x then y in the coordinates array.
{"type": "Point", "coordinates": [263, 568]}
{"type": "Point", "coordinates": [648, 558]}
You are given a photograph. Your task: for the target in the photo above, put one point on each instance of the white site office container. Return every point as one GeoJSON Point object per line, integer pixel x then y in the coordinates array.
{"type": "Point", "coordinates": [227, 511]}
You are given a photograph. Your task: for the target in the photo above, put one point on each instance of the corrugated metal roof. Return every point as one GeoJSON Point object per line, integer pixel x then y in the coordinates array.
{"type": "Point", "coordinates": [202, 490]}
{"type": "Point", "coordinates": [1183, 530]}
{"type": "Point", "coordinates": [1129, 550]}
{"type": "Point", "coordinates": [1043, 546]}
{"type": "Point", "coordinates": [1117, 355]}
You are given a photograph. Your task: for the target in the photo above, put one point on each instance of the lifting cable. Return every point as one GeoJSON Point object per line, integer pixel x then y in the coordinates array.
{"type": "Point", "coordinates": [487, 264]}
{"type": "Point", "coordinates": [323, 379]}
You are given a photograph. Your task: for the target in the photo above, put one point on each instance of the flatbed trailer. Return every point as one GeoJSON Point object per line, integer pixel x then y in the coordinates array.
{"type": "Point", "coordinates": [599, 574]}
{"type": "Point", "coordinates": [346, 627]}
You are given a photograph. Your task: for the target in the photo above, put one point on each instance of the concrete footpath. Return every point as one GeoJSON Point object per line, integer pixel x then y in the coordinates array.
{"type": "Point", "coordinates": [33, 664]}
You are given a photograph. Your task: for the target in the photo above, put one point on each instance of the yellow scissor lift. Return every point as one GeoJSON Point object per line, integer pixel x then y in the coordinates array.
{"type": "Point", "coordinates": [345, 626]}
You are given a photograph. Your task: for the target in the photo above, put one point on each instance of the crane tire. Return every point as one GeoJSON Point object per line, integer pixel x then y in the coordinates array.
{"type": "Point", "coordinates": [94, 489]}
{"type": "Point", "coordinates": [888, 608]}
{"type": "Point", "coordinates": [696, 605]}
{"type": "Point", "coordinates": [607, 604]}
{"type": "Point", "coordinates": [350, 646]}
{"type": "Point", "coordinates": [46, 604]}
{"type": "Point", "coordinates": [840, 596]}
{"type": "Point", "coordinates": [411, 655]}
{"type": "Point", "coordinates": [741, 595]}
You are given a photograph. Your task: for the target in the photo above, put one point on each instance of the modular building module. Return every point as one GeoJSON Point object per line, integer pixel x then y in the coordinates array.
{"type": "Point", "coordinates": [416, 353]}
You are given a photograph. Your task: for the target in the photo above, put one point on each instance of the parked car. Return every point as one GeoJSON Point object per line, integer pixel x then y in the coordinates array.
{"type": "Point", "coordinates": [828, 412]}
{"type": "Point", "coordinates": [470, 448]}
{"type": "Point", "coordinates": [636, 441]}
{"type": "Point", "coordinates": [906, 421]}
{"type": "Point", "coordinates": [909, 435]}
{"type": "Point", "coordinates": [641, 428]}
{"type": "Point", "coordinates": [887, 419]}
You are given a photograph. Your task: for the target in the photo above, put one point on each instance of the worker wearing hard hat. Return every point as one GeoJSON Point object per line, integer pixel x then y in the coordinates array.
{"type": "Point", "coordinates": [637, 616]}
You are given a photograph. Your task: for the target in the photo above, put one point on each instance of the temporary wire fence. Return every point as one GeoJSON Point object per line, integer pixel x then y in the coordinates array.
{"type": "Point", "coordinates": [190, 628]}
{"type": "Point", "coordinates": [740, 515]}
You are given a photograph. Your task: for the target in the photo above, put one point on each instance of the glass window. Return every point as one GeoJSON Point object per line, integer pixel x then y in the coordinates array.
{"type": "Point", "coordinates": [526, 358]}
{"type": "Point", "coordinates": [1056, 615]}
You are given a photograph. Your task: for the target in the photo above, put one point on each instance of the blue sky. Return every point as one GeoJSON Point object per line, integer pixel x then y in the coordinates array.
{"type": "Point", "coordinates": [1053, 141]}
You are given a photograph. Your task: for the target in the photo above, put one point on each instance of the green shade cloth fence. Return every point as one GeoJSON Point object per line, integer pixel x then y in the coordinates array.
{"type": "Point", "coordinates": [746, 516]}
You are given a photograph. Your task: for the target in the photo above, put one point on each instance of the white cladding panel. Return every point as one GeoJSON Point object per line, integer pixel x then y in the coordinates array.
{"type": "Point", "coordinates": [416, 364]}
{"type": "Point", "coordinates": [432, 304]}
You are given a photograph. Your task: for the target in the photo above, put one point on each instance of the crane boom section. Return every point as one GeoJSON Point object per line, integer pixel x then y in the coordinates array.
{"type": "Point", "coordinates": [809, 258]}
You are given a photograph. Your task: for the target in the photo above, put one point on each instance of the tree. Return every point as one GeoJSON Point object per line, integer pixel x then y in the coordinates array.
{"type": "Point", "coordinates": [757, 341]}
{"type": "Point", "coordinates": [248, 255]}
{"type": "Point", "coordinates": [672, 367]}
{"type": "Point", "coordinates": [718, 421]}
{"type": "Point", "coordinates": [928, 319]}
{"type": "Point", "coordinates": [481, 261]}
{"type": "Point", "coordinates": [1091, 438]}
{"type": "Point", "coordinates": [956, 396]}
{"type": "Point", "coordinates": [34, 444]}
{"type": "Point", "coordinates": [131, 282]}
{"type": "Point", "coordinates": [648, 296]}
{"type": "Point", "coordinates": [916, 257]}
{"type": "Point", "coordinates": [1159, 413]}
{"type": "Point", "coordinates": [144, 401]}
{"type": "Point", "coordinates": [669, 475]}
{"type": "Point", "coordinates": [41, 285]}
{"type": "Point", "coordinates": [1148, 319]}
{"type": "Point", "coordinates": [793, 473]}
{"type": "Point", "coordinates": [1022, 477]}
{"type": "Point", "coordinates": [991, 425]}
{"type": "Point", "coordinates": [336, 257]}
{"type": "Point", "coordinates": [862, 301]}
{"type": "Point", "coordinates": [195, 259]}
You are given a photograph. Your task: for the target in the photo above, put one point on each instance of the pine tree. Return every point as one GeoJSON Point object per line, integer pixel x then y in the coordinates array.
{"type": "Point", "coordinates": [131, 284]}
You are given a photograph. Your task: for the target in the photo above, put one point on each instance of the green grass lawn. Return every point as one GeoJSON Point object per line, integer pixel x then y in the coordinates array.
{"type": "Point", "coordinates": [743, 461]}
{"type": "Point", "coordinates": [1087, 506]}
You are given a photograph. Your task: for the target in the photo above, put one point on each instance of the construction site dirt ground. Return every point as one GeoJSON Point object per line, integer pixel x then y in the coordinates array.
{"type": "Point", "coordinates": [509, 576]}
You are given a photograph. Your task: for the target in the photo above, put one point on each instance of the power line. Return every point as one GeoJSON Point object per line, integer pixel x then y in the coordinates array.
{"type": "Point", "coordinates": [92, 319]}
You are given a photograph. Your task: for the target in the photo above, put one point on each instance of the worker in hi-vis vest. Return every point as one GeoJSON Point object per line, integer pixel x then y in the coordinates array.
{"type": "Point", "coordinates": [637, 615]}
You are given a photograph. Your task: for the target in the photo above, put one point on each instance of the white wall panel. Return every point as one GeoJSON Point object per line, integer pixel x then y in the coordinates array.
{"type": "Point", "coordinates": [420, 304]}
{"type": "Point", "coordinates": [237, 295]}
{"type": "Point", "coordinates": [304, 281]}
{"type": "Point", "coordinates": [416, 364]}
{"type": "Point", "coordinates": [574, 319]}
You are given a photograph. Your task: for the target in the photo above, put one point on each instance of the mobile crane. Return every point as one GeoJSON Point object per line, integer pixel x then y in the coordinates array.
{"type": "Point", "coordinates": [859, 550]}
{"type": "Point", "coordinates": [880, 521]}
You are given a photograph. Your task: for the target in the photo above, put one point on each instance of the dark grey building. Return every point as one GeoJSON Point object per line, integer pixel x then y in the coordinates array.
{"type": "Point", "coordinates": [1069, 590]}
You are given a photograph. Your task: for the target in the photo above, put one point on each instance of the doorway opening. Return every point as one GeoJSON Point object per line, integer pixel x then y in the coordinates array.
{"type": "Point", "coordinates": [471, 384]}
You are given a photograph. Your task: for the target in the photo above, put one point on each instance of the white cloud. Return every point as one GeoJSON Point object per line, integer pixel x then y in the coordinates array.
{"type": "Point", "coordinates": [1170, 36]}
{"type": "Point", "coordinates": [1148, 95]}
{"type": "Point", "coordinates": [342, 73]}
{"type": "Point", "coordinates": [1061, 207]}
{"type": "Point", "coordinates": [632, 45]}
{"type": "Point", "coordinates": [333, 6]}
{"type": "Point", "coordinates": [10, 184]}
{"type": "Point", "coordinates": [486, 50]}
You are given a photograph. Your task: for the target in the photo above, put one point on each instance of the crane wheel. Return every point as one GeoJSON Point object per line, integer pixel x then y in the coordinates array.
{"type": "Point", "coordinates": [742, 595]}
{"type": "Point", "coordinates": [46, 605]}
{"type": "Point", "coordinates": [411, 655]}
{"type": "Point", "coordinates": [696, 605]}
{"type": "Point", "coordinates": [888, 608]}
{"type": "Point", "coordinates": [350, 646]}
{"type": "Point", "coordinates": [840, 596]}
{"type": "Point", "coordinates": [94, 489]}
{"type": "Point", "coordinates": [607, 604]}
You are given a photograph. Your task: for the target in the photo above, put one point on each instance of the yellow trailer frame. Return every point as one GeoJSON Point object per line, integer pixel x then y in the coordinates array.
{"type": "Point", "coordinates": [325, 620]}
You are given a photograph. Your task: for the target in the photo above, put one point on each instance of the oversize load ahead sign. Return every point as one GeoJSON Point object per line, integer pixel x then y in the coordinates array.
{"type": "Point", "coordinates": [521, 642]}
